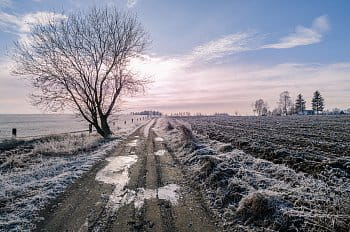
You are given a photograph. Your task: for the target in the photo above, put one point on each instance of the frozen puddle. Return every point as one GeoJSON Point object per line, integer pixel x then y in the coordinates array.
{"type": "Point", "coordinates": [133, 143]}
{"type": "Point", "coordinates": [159, 139]}
{"type": "Point", "coordinates": [168, 192]}
{"type": "Point", "coordinates": [117, 171]}
{"type": "Point", "coordinates": [160, 153]}
{"type": "Point", "coordinates": [138, 197]}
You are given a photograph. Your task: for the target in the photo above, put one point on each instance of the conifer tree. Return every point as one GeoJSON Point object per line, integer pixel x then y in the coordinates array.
{"type": "Point", "coordinates": [300, 104]}
{"type": "Point", "coordinates": [317, 102]}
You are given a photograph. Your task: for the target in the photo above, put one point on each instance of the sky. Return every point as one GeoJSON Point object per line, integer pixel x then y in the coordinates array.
{"type": "Point", "coordinates": [211, 56]}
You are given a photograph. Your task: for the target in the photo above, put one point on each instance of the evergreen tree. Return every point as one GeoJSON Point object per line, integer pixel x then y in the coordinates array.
{"type": "Point", "coordinates": [317, 102]}
{"type": "Point", "coordinates": [300, 104]}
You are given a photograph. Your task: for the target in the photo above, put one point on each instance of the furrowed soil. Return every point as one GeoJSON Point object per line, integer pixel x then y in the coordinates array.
{"type": "Point", "coordinates": [150, 191]}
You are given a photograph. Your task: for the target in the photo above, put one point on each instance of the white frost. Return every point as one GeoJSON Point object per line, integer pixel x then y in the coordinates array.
{"type": "Point", "coordinates": [169, 193]}
{"type": "Point", "coordinates": [117, 171]}
{"type": "Point", "coordinates": [160, 153]}
{"type": "Point", "coordinates": [133, 143]}
{"type": "Point", "coordinates": [27, 190]}
{"type": "Point", "coordinates": [159, 139]}
{"type": "Point", "coordinates": [120, 198]}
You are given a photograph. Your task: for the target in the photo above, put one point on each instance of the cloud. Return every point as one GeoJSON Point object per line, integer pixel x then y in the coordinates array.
{"type": "Point", "coordinates": [227, 45]}
{"type": "Point", "coordinates": [180, 86]}
{"type": "Point", "coordinates": [250, 41]}
{"type": "Point", "coordinates": [303, 36]}
{"type": "Point", "coordinates": [131, 3]}
{"type": "Point", "coordinates": [21, 25]}
{"type": "Point", "coordinates": [24, 23]}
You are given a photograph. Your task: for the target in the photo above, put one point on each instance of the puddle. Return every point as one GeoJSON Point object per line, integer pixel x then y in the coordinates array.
{"type": "Point", "coordinates": [138, 197]}
{"type": "Point", "coordinates": [117, 171]}
{"type": "Point", "coordinates": [159, 139]}
{"type": "Point", "coordinates": [169, 193]}
{"type": "Point", "coordinates": [133, 143]}
{"type": "Point", "coordinates": [160, 153]}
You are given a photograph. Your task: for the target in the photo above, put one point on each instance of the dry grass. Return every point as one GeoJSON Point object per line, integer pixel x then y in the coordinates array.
{"type": "Point", "coordinates": [66, 145]}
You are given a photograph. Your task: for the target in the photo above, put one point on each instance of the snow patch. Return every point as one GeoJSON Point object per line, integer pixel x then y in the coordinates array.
{"type": "Point", "coordinates": [159, 139]}
{"type": "Point", "coordinates": [160, 153]}
{"type": "Point", "coordinates": [117, 171]}
{"type": "Point", "coordinates": [169, 193]}
{"type": "Point", "coordinates": [133, 143]}
{"type": "Point", "coordinates": [138, 196]}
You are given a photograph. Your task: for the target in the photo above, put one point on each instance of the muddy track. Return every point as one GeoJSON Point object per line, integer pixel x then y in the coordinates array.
{"type": "Point", "coordinates": [158, 197]}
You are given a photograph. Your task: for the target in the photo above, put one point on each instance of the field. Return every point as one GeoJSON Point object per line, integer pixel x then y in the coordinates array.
{"type": "Point", "coordinates": [183, 174]}
{"type": "Point", "coordinates": [38, 125]}
{"type": "Point", "coordinates": [318, 145]}
{"type": "Point", "coordinates": [36, 170]}
{"type": "Point", "coordinates": [273, 173]}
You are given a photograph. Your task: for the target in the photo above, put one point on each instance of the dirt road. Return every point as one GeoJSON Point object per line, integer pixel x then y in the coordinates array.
{"type": "Point", "coordinates": [139, 187]}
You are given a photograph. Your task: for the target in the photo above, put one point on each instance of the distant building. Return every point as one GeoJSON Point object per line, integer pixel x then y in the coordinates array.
{"type": "Point", "coordinates": [307, 112]}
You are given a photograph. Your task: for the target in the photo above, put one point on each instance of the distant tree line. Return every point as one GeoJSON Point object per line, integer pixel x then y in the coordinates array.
{"type": "Point", "coordinates": [147, 112]}
{"type": "Point", "coordinates": [287, 107]}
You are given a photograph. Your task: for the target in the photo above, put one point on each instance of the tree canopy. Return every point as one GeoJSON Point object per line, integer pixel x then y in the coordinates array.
{"type": "Point", "coordinates": [83, 63]}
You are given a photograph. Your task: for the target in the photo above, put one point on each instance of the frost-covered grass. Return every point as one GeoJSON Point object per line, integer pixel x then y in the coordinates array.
{"type": "Point", "coordinates": [252, 194]}
{"type": "Point", "coordinates": [67, 145]}
{"type": "Point", "coordinates": [36, 171]}
{"type": "Point", "coordinates": [25, 190]}
{"type": "Point", "coordinates": [318, 145]}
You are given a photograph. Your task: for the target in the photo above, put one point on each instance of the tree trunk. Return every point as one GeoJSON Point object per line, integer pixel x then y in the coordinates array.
{"type": "Point", "coordinates": [103, 129]}
{"type": "Point", "coordinates": [106, 131]}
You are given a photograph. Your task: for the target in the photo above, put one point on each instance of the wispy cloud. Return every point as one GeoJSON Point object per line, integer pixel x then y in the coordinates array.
{"type": "Point", "coordinates": [131, 3]}
{"type": "Point", "coordinates": [303, 36]}
{"type": "Point", "coordinates": [23, 23]}
{"type": "Point", "coordinates": [249, 41]}
{"type": "Point", "coordinates": [178, 87]}
{"type": "Point", "coordinates": [227, 45]}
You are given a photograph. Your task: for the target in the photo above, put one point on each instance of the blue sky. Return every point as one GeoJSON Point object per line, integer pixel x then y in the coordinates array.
{"type": "Point", "coordinates": [213, 56]}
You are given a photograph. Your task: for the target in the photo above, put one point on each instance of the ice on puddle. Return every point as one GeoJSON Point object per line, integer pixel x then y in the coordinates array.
{"type": "Point", "coordinates": [159, 139]}
{"type": "Point", "coordinates": [120, 197]}
{"type": "Point", "coordinates": [117, 171]}
{"type": "Point", "coordinates": [160, 153]}
{"type": "Point", "coordinates": [169, 193]}
{"type": "Point", "coordinates": [133, 143]}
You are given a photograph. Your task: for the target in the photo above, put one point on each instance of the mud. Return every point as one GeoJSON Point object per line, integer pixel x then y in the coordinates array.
{"type": "Point", "coordinates": [139, 187]}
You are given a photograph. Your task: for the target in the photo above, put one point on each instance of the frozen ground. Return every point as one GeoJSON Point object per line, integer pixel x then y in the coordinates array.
{"type": "Point", "coordinates": [36, 172]}
{"type": "Point", "coordinates": [247, 193]}
{"type": "Point", "coordinates": [47, 124]}
{"type": "Point", "coordinates": [24, 191]}
{"type": "Point", "coordinates": [140, 187]}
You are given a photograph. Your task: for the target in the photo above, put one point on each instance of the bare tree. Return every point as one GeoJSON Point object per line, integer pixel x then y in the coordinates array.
{"type": "Point", "coordinates": [285, 102]}
{"type": "Point", "coordinates": [83, 63]}
{"type": "Point", "coordinates": [260, 107]}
